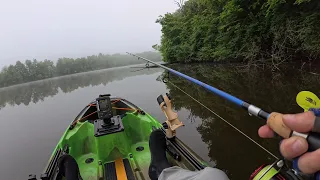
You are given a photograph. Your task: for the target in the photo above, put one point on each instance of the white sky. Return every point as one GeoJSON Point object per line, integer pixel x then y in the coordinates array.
{"type": "Point", "coordinates": [73, 28]}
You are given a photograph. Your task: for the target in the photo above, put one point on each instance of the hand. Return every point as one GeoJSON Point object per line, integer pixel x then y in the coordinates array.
{"type": "Point", "coordinates": [309, 162]}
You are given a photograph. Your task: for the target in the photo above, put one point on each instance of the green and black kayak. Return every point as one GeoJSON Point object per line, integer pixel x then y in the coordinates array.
{"type": "Point", "coordinates": [109, 139]}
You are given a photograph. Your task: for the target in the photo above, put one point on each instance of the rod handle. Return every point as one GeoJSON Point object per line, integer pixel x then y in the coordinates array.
{"type": "Point", "coordinates": [275, 122]}
{"type": "Point", "coordinates": [313, 140]}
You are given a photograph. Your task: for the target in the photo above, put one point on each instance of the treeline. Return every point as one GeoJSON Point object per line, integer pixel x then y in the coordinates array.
{"type": "Point", "coordinates": [37, 91]}
{"type": "Point", "coordinates": [38, 70]}
{"type": "Point", "coordinates": [253, 31]}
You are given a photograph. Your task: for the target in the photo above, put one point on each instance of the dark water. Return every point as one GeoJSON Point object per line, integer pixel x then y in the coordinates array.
{"type": "Point", "coordinates": [35, 115]}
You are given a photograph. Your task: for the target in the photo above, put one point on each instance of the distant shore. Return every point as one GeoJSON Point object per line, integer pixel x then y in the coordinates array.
{"type": "Point", "coordinates": [35, 70]}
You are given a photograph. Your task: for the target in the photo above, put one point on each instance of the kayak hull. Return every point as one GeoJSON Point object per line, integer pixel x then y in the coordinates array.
{"type": "Point", "coordinates": [121, 154]}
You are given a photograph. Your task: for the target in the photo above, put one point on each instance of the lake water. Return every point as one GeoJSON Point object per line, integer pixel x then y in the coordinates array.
{"type": "Point", "coordinates": [35, 115]}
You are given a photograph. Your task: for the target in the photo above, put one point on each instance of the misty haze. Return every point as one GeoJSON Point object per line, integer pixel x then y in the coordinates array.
{"type": "Point", "coordinates": [41, 30]}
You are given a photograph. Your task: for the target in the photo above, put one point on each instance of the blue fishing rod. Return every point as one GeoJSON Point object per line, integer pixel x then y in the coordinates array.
{"type": "Point", "coordinates": [274, 119]}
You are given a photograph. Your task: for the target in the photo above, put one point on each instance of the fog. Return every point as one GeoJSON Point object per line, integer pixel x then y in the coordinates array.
{"type": "Point", "coordinates": [74, 28]}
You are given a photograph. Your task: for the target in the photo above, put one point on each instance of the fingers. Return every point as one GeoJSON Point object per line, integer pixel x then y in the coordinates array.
{"type": "Point", "coordinates": [293, 147]}
{"type": "Point", "coordinates": [309, 162]}
{"type": "Point", "coordinates": [302, 122]}
{"type": "Point", "coordinates": [296, 146]}
{"type": "Point", "coordinates": [265, 132]}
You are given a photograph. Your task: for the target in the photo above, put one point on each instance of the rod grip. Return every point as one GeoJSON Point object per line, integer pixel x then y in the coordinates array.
{"type": "Point", "coordinates": [313, 141]}
{"type": "Point", "coordinates": [275, 122]}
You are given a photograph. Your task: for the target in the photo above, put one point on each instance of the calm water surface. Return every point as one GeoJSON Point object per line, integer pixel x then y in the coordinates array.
{"type": "Point", "coordinates": [35, 115]}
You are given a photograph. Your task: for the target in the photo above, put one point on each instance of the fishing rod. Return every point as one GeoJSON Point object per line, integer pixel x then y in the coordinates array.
{"type": "Point", "coordinates": [274, 119]}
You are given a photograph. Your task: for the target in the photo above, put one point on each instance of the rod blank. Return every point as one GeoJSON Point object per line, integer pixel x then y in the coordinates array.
{"type": "Point", "coordinates": [214, 90]}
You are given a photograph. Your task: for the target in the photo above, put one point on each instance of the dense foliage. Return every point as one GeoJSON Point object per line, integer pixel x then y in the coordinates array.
{"type": "Point", "coordinates": [37, 70]}
{"type": "Point", "coordinates": [256, 30]}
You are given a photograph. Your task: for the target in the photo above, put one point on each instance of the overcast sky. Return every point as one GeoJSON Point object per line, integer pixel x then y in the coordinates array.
{"type": "Point", "coordinates": [72, 28]}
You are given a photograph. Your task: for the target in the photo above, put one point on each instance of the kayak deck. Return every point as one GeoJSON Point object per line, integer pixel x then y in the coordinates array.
{"type": "Point", "coordinates": [122, 154]}
{"type": "Point", "coordinates": [94, 153]}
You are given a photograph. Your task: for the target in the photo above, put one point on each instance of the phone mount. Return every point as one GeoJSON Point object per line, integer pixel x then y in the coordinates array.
{"type": "Point", "coordinates": [107, 122]}
{"type": "Point", "coordinates": [104, 108]}
{"type": "Point", "coordinates": [172, 123]}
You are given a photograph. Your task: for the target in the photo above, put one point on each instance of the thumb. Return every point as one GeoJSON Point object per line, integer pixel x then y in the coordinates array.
{"type": "Point", "coordinates": [302, 122]}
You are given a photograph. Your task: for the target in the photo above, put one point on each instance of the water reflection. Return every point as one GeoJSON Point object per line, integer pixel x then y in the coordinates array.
{"type": "Point", "coordinates": [33, 128]}
{"type": "Point", "coordinates": [34, 141]}
{"type": "Point", "coordinates": [39, 90]}
{"type": "Point", "coordinates": [264, 88]}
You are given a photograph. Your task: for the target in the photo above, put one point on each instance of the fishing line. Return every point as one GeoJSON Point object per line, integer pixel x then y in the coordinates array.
{"type": "Point", "coordinates": [260, 146]}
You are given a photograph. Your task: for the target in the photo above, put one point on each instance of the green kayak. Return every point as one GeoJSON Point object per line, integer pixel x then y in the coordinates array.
{"type": "Point", "coordinates": [109, 139]}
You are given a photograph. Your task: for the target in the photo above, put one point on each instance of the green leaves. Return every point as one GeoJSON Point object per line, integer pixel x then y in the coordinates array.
{"type": "Point", "coordinates": [255, 30]}
{"type": "Point", "coordinates": [301, 1]}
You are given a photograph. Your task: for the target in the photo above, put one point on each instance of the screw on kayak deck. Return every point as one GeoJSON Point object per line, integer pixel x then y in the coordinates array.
{"type": "Point", "coordinates": [140, 148]}
{"type": "Point", "coordinates": [89, 160]}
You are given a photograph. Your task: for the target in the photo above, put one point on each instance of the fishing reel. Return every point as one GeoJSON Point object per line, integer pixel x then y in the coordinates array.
{"type": "Point", "coordinates": [276, 171]}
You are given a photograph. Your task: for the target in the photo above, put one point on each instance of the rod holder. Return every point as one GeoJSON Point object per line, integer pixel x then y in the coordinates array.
{"type": "Point", "coordinates": [172, 121]}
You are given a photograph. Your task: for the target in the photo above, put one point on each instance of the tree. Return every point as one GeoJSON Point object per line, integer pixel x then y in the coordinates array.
{"type": "Point", "coordinates": [22, 71]}
{"type": "Point", "coordinates": [272, 31]}
{"type": "Point", "coordinates": [179, 3]}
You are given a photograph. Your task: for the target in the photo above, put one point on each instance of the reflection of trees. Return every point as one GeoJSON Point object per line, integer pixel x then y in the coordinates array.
{"type": "Point", "coordinates": [37, 91]}
{"type": "Point", "coordinates": [226, 146]}
{"type": "Point", "coordinates": [38, 70]}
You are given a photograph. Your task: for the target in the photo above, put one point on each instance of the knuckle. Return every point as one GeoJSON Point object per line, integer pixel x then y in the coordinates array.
{"type": "Point", "coordinates": [309, 116]}
{"type": "Point", "coordinates": [285, 149]}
